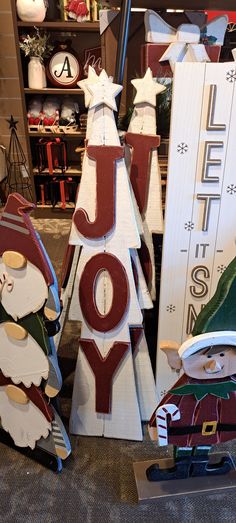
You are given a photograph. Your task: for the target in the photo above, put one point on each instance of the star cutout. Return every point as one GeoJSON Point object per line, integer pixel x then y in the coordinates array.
{"type": "Point", "coordinates": [12, 123]}
{"type": "Point", "coordinates": [147, 89]}
{"type": "Point", "coordinates": [104, 92]}
{"type": "Point", "coordinates": [91, 79]}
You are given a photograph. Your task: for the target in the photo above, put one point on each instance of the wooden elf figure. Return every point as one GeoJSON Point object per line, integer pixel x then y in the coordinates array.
{"type": "Point", "coordinates": [200, 410]}
{"type": "Point", "coordinates": [29, 309]}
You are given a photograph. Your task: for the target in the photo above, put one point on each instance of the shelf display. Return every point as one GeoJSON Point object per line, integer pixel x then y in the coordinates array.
{"type": "Point", "coordinates": [42, 120]}
{"type": "Point", "coordinates": [53, 115]}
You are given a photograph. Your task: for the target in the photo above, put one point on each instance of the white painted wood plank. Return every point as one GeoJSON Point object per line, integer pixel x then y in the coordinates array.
{"type": "Point", "coordinates": [145, 383]}
{"type": "Point", "coordinates": [198, 256]}
{"type": "Point", "coordinates": [185, 124]}
{"type": "Point", "coordinates": [144, 297]}
{"type": "Point", "coordinates": [66, 295]}
{"type": "Point", "coordinates": [225, 248]}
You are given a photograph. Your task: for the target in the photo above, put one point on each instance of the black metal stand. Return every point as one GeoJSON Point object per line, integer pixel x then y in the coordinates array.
{"type": "Point", "coordinates": [18, 178]}
{"type": "Point", "coordinates": [46, 459]}
{"type": "Point", "coordinates": [125, 12]}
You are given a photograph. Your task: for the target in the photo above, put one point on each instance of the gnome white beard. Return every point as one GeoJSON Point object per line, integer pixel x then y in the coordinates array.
{"type": "Point", "coordinates": [22, 360]}
{"type": "Point", "coordinates": [28, 293]}
{"type": "Point", "coordinates": [25, 423]}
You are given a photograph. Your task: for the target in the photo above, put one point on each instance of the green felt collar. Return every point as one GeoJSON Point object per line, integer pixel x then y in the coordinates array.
{"type": "Point", "coordinates": [200, 390]}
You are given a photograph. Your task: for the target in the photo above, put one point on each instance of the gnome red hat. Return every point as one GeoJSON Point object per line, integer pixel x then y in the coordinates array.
{"type": "Point", "coordinates": [17, 234]}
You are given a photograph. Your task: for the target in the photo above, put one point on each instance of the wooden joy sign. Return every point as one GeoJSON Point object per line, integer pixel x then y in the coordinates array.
{"type": "Point", "coordinates": [113, 386]}
{"type": "Point", "coordinates": [200, 211]}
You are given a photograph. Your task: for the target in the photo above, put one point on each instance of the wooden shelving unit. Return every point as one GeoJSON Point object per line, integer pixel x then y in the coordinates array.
{"type": "Point", "coordinates": [72, 136]}
{"type": "Point", "coordinates": [89, 36]}
{"type": "Point", "coordinates": [71, 171]}
{"type": "Point", "coordinates": [61, 26]}
{"type": "Point", "coordinates": [187, 5]}
{"type": "Point", "coordinates": [53, 90]}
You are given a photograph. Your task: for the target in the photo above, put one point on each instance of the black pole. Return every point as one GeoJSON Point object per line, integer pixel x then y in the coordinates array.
{"type": "Point", "coordinates": [125, 12]}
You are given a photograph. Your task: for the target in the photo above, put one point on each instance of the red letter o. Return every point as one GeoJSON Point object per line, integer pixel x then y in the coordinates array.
{"type": "Point", "coordinates": [96, 320]}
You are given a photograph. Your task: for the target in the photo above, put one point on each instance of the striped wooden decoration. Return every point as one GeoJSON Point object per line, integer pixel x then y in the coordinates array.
{"type": "Point", "coordinates": [200, 219]}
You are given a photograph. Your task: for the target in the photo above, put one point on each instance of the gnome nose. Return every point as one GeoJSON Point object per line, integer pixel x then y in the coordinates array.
{"type": "Point", "coordinates": [212, 367]}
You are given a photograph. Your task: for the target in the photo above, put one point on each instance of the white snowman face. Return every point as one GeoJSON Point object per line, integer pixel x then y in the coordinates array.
{"type": "Point", "coordinates": [21, 358]}
{"type": "Point", "coordinates": [20, 417]}
{"type": "Point", "coordinates": [23, 290]}
{"type": "Point", "coordinates": [31, 10]}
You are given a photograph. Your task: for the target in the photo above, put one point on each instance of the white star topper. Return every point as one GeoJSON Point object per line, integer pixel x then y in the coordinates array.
{"type": "Point", "coordinates": [91, 79]}
{"type": "Point", "coordinates": [147, 89]}
{"type": "Point", "coordinates": [104, 92]}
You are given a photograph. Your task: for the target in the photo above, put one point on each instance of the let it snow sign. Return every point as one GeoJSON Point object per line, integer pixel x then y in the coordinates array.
{"type": "Point", "coordinates": [200, 222]}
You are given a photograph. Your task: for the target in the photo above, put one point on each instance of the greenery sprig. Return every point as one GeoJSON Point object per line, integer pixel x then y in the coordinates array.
{"type": "Point", "coordinates": [36, 45]}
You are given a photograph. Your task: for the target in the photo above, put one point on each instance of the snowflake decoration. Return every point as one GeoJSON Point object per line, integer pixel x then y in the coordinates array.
{"type": "Point", "coordinates": [231, 76]}
{"type": "Point", "coordinates": [231, 27]}
{"type": "Point", "coordinates": [231, 189]}
{"type": "Point", "coordinates": [163, 392]}
{"type": "Point", "coordinates": [170, 308]}
{"type": "Point", "coordinates": [221, 268]}
{"type": "Point", "coordinates": [189, 226]}
{"type": "Point", "coordinates": [182, 148]}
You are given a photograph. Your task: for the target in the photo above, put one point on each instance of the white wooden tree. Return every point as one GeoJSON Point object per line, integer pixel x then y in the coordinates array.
{"type": "Point", "coordinates": [128, 385]}
{"type": "Point", "coordinates": [143, 122]}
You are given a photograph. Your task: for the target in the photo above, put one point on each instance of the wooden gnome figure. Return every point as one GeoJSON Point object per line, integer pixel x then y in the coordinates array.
{"type": "Point", "coordinates": [69, 113]}
{"type": "Point", "coordinates": [29, 309]}
{"type": "Point", "coordinates": [200, 410]}
{"type": "Point", "coordinates": [51, 108]}
{"type": "Point", "coordinates": [34, 113]}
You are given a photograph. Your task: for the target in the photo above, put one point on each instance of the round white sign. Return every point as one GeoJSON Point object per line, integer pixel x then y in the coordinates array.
{"type": "Point", "coordinates": [64, 68]}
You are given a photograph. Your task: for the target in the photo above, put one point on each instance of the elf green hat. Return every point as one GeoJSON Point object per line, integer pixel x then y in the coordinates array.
{"type": "Point", "coordinates": [220, 312]}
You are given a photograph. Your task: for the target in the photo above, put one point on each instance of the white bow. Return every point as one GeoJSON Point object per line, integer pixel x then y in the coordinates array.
{"type": "Point", "coordinates": [184, 42]}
